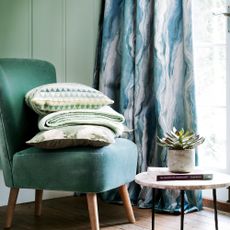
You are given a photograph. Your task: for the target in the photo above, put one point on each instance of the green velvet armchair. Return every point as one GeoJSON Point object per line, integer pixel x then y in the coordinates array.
{"type": "Point", "coordinates": [83, 169]}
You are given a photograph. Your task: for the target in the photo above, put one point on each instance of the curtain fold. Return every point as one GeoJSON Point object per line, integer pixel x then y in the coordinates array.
{"type": "Point", "coordinates": [145, 64]}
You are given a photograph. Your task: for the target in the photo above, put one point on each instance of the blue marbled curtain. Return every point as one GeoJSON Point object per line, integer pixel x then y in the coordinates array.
{"type": "Point", "coordinates": [144, 62]}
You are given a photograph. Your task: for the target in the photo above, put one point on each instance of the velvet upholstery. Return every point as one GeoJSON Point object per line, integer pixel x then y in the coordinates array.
{"type": "Point", "coordinates": [83, 169]}
{"type": "Point", "coordinates": [18, 123]}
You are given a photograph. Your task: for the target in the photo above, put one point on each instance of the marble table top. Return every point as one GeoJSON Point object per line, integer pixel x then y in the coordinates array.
{"type": "Point", "coordinates": [149, 180]}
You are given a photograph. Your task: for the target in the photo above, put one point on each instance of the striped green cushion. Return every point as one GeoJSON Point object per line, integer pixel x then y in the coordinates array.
{"type": "Point", "coordinates": [63, 96]}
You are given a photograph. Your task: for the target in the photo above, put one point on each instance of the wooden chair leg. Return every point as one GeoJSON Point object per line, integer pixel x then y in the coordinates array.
{"type": "Point", "coordinates": [123, 191]}
{"type": "Point", "coordinates": [11, 206]}
{"type": "Point", "coordinates": [93, 210]}
{"type": "Point", "coordinates": [38, 202]}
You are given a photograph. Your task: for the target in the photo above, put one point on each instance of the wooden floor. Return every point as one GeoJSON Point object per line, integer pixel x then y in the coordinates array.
{"type": "Point", "coordinates": [71, 213]}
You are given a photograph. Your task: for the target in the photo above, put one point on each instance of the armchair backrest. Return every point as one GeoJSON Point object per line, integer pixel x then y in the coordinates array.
{"type": "Point", "coordinates": [18, 123]}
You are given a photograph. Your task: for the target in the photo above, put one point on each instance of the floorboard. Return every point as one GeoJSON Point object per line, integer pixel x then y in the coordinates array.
{"type": "Point", "coordinates": [70, 213]}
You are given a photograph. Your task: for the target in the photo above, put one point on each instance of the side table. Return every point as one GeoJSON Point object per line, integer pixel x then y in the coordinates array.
{"type": "Point", "coordinates": [149, 180]}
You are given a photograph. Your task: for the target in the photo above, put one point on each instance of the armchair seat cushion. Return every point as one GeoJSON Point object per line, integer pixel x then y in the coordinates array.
{"type": "Point", "coordinates": [83, 169]}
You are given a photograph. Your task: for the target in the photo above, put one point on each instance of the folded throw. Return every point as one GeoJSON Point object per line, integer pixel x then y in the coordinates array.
{"type": "Point", "coordinates": [104, 116]}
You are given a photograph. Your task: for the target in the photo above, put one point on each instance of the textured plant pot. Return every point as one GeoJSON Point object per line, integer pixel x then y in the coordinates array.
{"type": "Point", "coordinates": [181, 161]}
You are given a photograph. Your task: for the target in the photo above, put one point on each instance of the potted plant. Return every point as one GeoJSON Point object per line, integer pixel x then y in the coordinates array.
{"type": "Point", "coordinates": [181, 149]}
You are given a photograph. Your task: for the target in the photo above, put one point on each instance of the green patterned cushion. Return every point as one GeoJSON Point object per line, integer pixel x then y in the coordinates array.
{"type": "Point", "coordinates": [81, 135]}
{"type": "Point", "coordinates": [63, 96]}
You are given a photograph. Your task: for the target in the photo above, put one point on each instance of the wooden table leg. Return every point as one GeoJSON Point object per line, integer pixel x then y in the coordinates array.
{"type": "Point", "coordinates": [182, 209]}
{"type": "Point", "coordinates": [153, 208]}
{"type": "Point", "coordinates": [215, 208]}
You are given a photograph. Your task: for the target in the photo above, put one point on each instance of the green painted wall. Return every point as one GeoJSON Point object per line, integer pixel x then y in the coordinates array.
{"type": "Point", "coordinates": [63, 32]}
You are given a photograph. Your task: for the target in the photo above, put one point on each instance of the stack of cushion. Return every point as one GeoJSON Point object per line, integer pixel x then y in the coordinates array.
{"type": "Point", "coordinates": [72, 114]}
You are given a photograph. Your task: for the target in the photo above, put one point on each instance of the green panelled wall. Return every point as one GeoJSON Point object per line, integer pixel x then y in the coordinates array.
{"type": "Point", "coordinates": [63, 32]}
{"type": "Point", "coordinates": [15, 20]}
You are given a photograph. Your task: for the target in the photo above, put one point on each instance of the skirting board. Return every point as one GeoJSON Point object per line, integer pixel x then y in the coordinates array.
{"type": "Point", "coordinates": [221, 206]}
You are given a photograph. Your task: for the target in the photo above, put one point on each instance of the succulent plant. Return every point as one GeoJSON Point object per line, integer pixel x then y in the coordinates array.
{"type": "Point", "coordinates": [180, 139]}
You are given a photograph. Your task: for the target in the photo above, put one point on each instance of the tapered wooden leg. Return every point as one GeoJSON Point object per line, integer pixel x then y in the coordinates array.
{"type": "Point", "coordinates": [123, 191]}
{"type": "Point", "coordinates": [11, 206]}
{"type": "Point", "coordinates": [38, 202]}
{"type": "Point", "coordinates": [93, 210]}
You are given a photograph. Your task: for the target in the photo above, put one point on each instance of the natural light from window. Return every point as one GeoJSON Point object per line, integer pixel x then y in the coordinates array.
{"type": "Point", "coordinates": [210, 55]}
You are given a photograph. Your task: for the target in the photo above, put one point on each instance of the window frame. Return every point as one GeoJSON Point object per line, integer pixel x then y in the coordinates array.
{"type": "Point", "coordinates": [228, 92]}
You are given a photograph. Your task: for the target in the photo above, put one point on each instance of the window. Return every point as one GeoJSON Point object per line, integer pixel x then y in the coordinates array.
{"type": "Point", "coordinates": [210, 69]}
